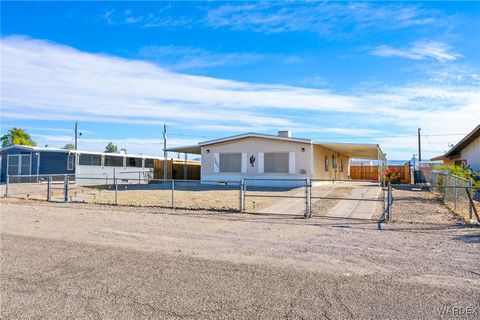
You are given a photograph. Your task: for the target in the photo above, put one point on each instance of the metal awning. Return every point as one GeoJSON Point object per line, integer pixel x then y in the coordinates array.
{"type": "Point", "coordinates": [355, 150]}
{"type": "Point", "coordinates": [193, 149]}
{"type": "Point", "coordinates": [350, 150]}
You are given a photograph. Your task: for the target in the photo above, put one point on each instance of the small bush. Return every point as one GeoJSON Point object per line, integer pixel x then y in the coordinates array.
{"type": "Point", "coordinates": [465, 173]}
{"type": "Point", "coordinates": [392, 176]}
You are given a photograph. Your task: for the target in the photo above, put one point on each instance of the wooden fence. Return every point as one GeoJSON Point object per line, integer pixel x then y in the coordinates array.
{"type": "Point", "coordinates": [176, 169]}
{"type": "Point", "coordinates": [371, 172]}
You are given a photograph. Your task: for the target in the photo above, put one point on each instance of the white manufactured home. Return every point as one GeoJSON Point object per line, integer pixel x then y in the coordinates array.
{"type": "Point", "coordinates": [262, 156]}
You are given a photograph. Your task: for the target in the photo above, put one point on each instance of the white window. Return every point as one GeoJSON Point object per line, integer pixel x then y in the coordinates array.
{"type": "Point", "coordinates": [71, 162]}
{"type": "Point", "coordinates": [326, 163]}
{"type": "Point", "coordinates": [113, 161]}
{"type": "Point", "coordinates": [342, 166]}
{"type": "Point", "coordinates": [334, 162]}
{"type": "Point", "coordinates": [149, 163]}
{"type": "Point", "coordinates": [134, 162]}
{"type": "Point", "coordinates": [230, 162]}
{"type": "Point", "coordinates": [276, 162]}
{"type": "Point", "coordinates": [90, 160]}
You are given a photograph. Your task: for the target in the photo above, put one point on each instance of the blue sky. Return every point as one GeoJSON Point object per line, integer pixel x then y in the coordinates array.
{"type": "Point", "coordinates": [329, 71]}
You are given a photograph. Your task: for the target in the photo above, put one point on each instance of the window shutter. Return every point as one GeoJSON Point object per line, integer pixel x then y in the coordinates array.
{"type": "Point", "coordinates": [260, 162]}
{"type": "Point", "coordinates": [244, 162]}
{"type": "Point", "coordinates": [216, 163]}
{"type": "Point", "coordinates": [291, 162]}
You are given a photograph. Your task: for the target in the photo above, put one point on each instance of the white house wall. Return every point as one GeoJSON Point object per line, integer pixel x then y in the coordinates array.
{"type": "Point", "coordinates": [254, 146]}
{"type": "Point", "coordinates": [471, 153]}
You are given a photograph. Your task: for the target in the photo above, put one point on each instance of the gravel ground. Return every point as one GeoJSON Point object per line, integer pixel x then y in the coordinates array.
{"type": "Point", "coordinates": [81, 261]}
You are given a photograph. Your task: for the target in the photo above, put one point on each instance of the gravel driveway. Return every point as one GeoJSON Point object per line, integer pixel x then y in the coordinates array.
{"type": "Point", "coordinates": [81, 261]}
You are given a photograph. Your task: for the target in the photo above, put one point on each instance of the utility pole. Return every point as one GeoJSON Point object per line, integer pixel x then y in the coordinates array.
{"type": "Point", "coordinates": [76, 135]}
{"type": "Point", "coordinates": [165, 163]}
{"type": "Point", "coordinates": [419, 148]}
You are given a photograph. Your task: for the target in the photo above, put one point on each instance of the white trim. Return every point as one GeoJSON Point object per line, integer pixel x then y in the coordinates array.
{"type": "Point", "coordinates": [68, 162]}
{"type": "Point", "coordinates": [251, 135]}
{"type": "Point", "coordinates": [291, 163]}
{"type": "Point", "coordinates": [244, 163]}
{"type": "Point", "coordinates": [261, 162]}
{"type": "Point", "coordinates": [38, 163]}
{"type": "Point", "coordinates": [216, 162]}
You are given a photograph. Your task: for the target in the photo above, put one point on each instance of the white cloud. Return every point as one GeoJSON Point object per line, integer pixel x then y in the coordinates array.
{"type": "Point", "coordinates": [319, 17]}
{"type": "Point", "coordinates": [46, 81]}
{"type": "Point", "coordinates": [185, 58]}
{"type": "Point", "coordinates": [419, 51]}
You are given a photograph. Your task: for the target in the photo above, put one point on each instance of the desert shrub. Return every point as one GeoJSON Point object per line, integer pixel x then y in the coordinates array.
{"type": "Point", "coordinates": [465, 173]}
{"type": "Point", "coordinates": [392, 176]}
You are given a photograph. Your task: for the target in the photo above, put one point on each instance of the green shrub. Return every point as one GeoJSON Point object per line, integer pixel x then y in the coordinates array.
{"type": "Point", "coordinates": [460, 172]}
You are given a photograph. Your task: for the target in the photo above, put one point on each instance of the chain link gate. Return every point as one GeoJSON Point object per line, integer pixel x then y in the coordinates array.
{"type": "Point", "coordinates": [275, 196]}
{"type": "Point", "coordinates": [347, 199]}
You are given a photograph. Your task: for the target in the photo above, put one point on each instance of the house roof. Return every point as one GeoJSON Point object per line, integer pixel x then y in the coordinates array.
{"type": "Point", "coordinates": [457, 149]}
{"type": "Point", "coordinates": [352, 150]}
{"type": "Point", "coordinates": [42, 149]}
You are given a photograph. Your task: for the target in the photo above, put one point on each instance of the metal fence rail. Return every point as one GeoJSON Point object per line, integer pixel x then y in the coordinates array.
{"type": "Point", "coordinates": [445, 200]}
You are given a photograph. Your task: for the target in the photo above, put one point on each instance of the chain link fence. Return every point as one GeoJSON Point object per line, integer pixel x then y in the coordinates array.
{"type": "Point", "coordinates": [445, 199]}
{"type": "Point", "coordinates": [365, 200]}
{"type": "Point", "coordinates": [276, 196]}
{"type": "Point", "coordinates": [448, 199]}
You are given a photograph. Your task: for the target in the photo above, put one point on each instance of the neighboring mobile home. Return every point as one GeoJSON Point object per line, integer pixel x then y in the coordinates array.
{"type": "Point", "coordinates": [35, 161]}
{"type": "Point", "coordinates": [254, 155]}
{"type": "Point", "coordinates": [466, 153]}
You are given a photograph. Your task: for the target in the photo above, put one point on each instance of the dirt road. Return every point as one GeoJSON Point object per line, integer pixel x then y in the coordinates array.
{"type": "Point", "coordinates": [100, 262]}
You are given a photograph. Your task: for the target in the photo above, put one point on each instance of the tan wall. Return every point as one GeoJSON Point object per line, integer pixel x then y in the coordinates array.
{"type": "Point", "coordinates": [252, 146]}
{"type": "Point", "coordinates": [319, 172]}
{"type": "Point", "coordinates": [450, 162]}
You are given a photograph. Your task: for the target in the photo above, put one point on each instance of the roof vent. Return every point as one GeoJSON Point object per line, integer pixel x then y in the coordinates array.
{"type": "Point", "coordinates": [285, 133]}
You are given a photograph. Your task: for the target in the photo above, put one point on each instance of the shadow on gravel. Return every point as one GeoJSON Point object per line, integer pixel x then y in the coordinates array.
{"type": "Point", "coordinates": [469, 238]}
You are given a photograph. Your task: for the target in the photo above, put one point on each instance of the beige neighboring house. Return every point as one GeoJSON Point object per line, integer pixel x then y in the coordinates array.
{"type": "Point", "coordinates": [261, 156]}
{"type": "Point", "coordinates": [466, 153]}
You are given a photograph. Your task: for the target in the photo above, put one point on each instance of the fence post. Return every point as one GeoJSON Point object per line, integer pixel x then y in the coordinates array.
{"type": "Point", "coordinates": [242, 195]}
{"type": "Point", "coordinates": [7, 182]}
{"type": "Point", "coordinates": [139, 182]}
{"type": "Point", "coordinates": [470, 203]}
{"type": "Point", "coordinates": [307, 208]}
{"type": "Point", "coordinates": [173, 193]}
{"type": "Point", "coordinates": [65, 198]}
{"type": "Point", "coordinates": [116, 190]}
{"type": "Point", "coordinates": [49, 188]}
{"type": "Point", "coordinates": [389, 201]}
{"type": "Point", "coordinates": [456, 195]}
